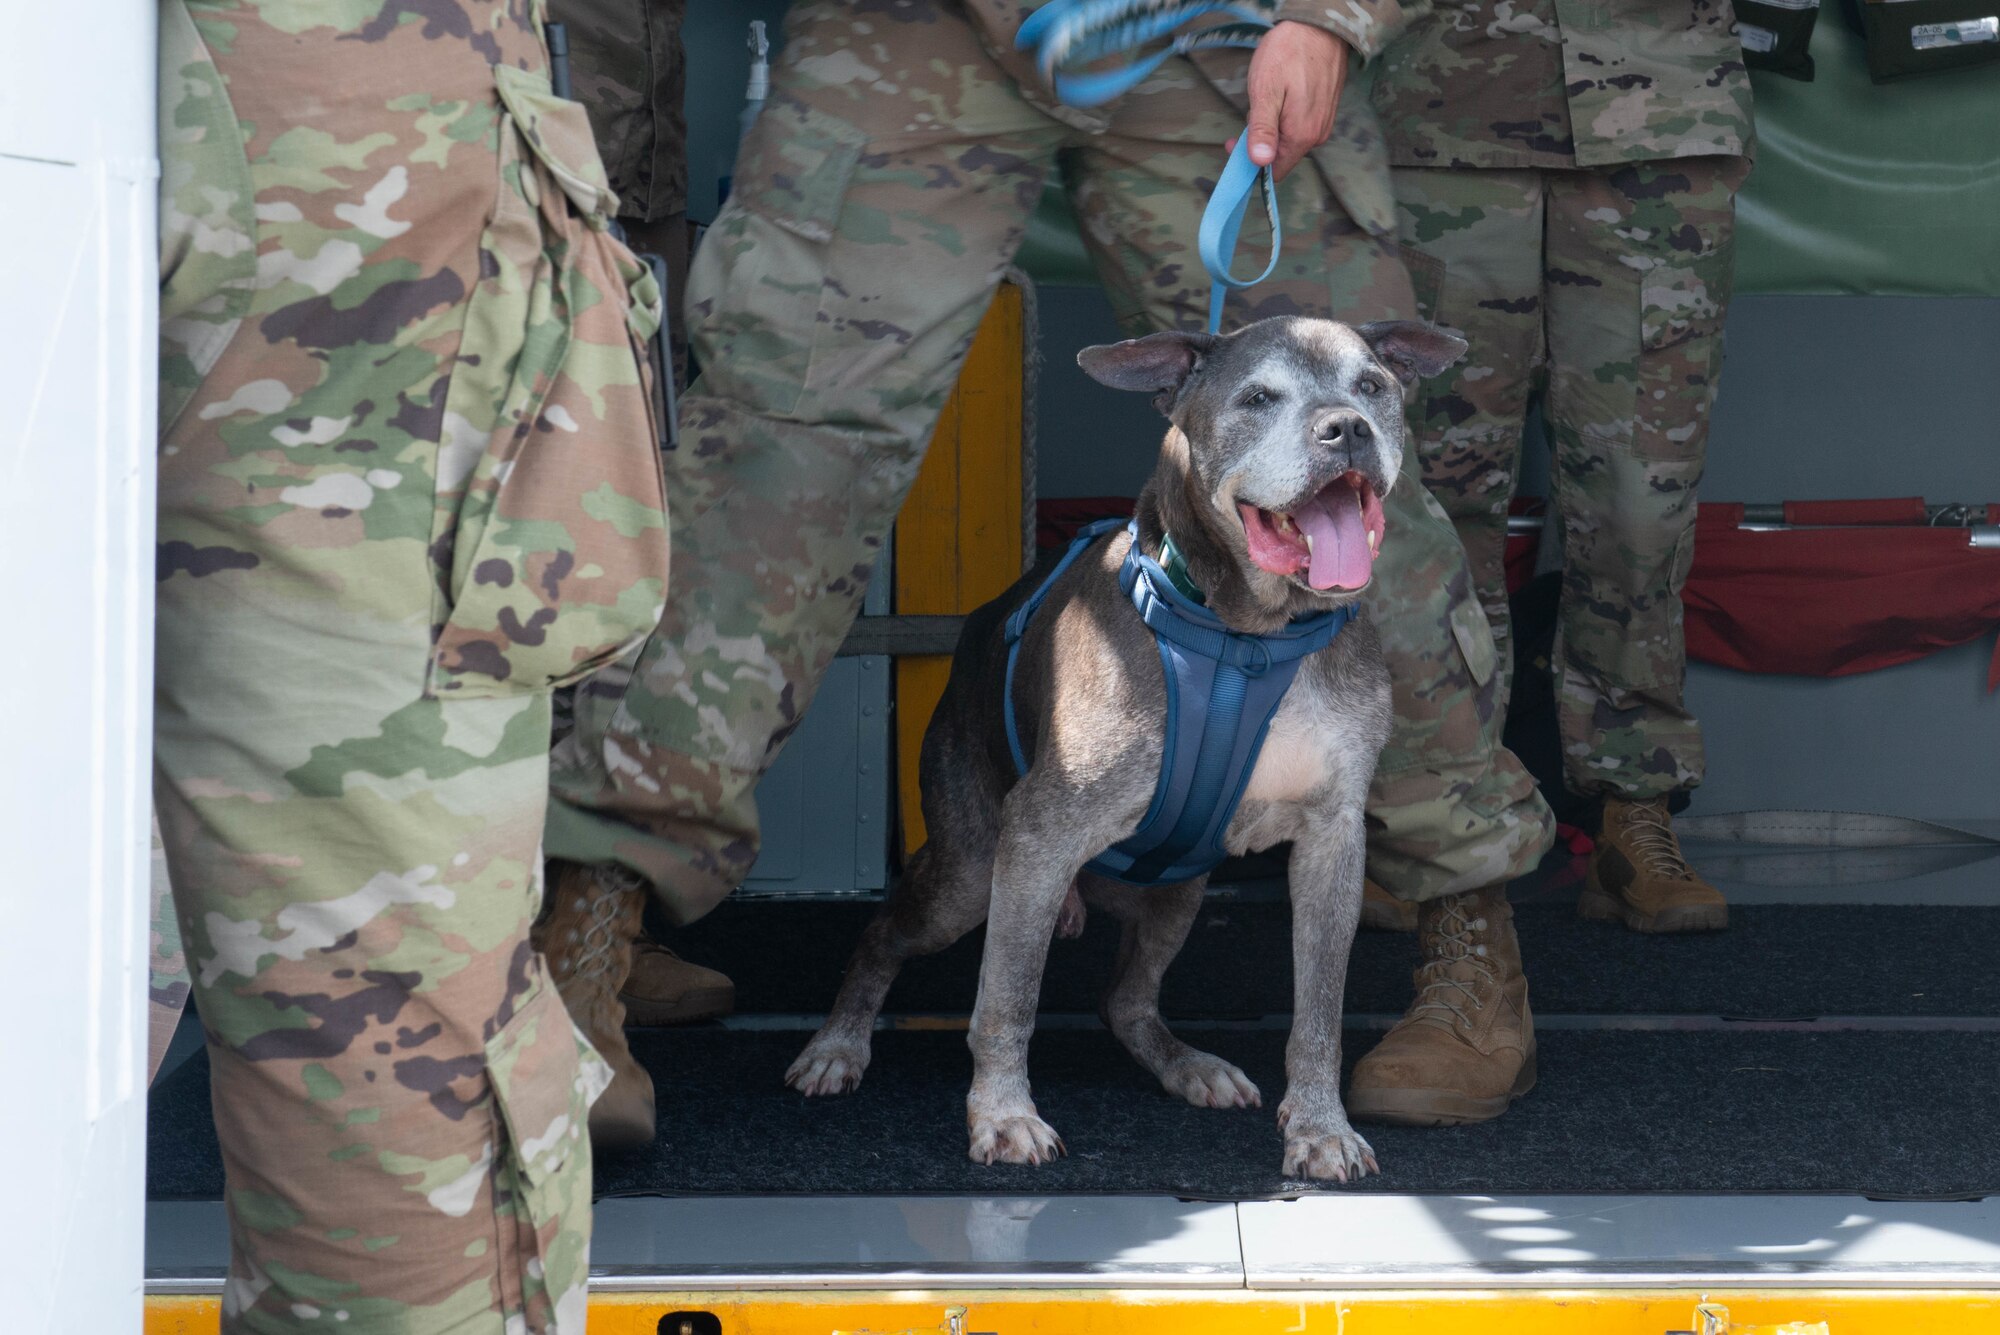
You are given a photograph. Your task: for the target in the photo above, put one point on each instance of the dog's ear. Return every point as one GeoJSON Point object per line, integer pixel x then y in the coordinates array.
{"type": "Point", "coordinates": [1160, 363]}
{"type": "Point", "coordinates": [1412, 349]}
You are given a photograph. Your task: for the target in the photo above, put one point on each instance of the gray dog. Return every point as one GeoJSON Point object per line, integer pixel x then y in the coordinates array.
{"type": "Point", "coordinates": [1265, 507]}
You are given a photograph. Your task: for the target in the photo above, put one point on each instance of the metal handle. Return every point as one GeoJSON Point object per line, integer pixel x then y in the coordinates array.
{"type": "Point", "coordinates": [1771, 519]}
{"type": "Point", "coordinates": [558, 38]}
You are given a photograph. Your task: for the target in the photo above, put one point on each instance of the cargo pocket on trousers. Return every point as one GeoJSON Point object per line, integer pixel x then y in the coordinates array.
{"type": "Point", "coordinates": [551, 534]}
{"type": "Point", "coordinates": [1474, 636]}
{"type": "Point", "coordinates": [792, 178]}
{"type": "Point", "coordinates": [1454, 725]}
{"type": "Point", "coordinates": [1680, 352]}
{"type": "Point", "coordinates": [1681, 298]}
{"type": "Point", "coordinates": [545, 1076]}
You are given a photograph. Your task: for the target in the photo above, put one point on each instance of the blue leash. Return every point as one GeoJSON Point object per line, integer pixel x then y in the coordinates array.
{"type": "Point", "coordinates": [1068, 34]}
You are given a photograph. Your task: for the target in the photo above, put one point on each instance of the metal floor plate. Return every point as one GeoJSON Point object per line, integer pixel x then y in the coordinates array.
{"type": "Point", "coordinates": [1597, 1241]}
{"type": "Point", "coordinates": [1418, 1242]}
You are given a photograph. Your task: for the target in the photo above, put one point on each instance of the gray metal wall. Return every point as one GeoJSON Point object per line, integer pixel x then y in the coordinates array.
{"type": "Point", "coordinates": [718, 67]}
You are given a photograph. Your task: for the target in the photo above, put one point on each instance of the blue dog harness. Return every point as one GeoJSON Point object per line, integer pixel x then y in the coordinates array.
{"type": "Point", "coordinates": [1223, 688]}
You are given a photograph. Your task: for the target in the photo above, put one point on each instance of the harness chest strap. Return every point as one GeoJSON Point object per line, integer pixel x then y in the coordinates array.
{"type": "Point", "coordinates": [1223, 688]}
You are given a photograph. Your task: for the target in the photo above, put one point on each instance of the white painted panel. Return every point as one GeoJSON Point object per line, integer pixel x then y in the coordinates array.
{"type": "Point", "coordinates": [77, 375]}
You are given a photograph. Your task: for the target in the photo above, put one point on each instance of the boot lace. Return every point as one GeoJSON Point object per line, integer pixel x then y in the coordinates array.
{"type": "Point", "coordinates": [600, 933]}
{"type": "Point", "coordinates": [1650, 832]}
{"type": "Point", "coordinates": [1444, 990]}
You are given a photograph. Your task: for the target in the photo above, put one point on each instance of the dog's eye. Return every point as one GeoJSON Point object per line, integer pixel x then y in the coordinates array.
{"type": "Point", "coordinates": [1369, 385]}
{"type": "Point", "coordinates": [1257, 398]}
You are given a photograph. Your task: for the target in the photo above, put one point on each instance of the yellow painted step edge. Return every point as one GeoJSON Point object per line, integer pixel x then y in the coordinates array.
{"type": "Point", "coordinates": [1250, 1312]}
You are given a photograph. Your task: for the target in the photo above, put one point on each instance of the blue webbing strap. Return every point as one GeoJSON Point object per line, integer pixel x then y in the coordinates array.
{"type": "Point", "coordinates": [1238, 681]}
{"type": "Point", "coordinates": [1017, 626]}
{"type": "Point", "coordinates": [1223, 217]}
{"type": "Point", "coordinates": [1222, 716]}
{"type": "Point", "coordinates": [1066, 34]}
{"type": "Point", "coordinates": [1241, 679]}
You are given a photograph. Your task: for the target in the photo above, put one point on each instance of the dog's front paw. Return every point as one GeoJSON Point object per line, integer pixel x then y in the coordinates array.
{"type": "Point", "coordinates": [1339, 1156]}
{"type": "Point", "coordinates": [829, 1065]}
{"type": "Point", "coordinates": [1016, 1138]}
{"type": "Point", "coordinates": [1324, 1148]}
{"type": "Point", "coordinates": [1207, 1081]}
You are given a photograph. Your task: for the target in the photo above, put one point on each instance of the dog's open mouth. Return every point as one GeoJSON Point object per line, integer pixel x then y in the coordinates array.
{"type": "Point", "coordinates": [1331, 539]}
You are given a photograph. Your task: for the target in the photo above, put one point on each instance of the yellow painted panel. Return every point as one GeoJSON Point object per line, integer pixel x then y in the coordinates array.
{"type": "Point", "coordinates": [919, 687]}
{"type": "Point", "coordinates": [183, 1316]}
{"type": "Point", "coordinates": [1140, 1312]}
{"type": "Point", "coordinates": [958, 538]}
{"type": "Point", "coordinates": [989, 456]}
{"type": "Point", "coordinates": [927, 527]}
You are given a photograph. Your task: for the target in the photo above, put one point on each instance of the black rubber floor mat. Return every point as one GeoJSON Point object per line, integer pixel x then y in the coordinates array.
{"type": "Point", "coordinates": [1775, 962]}
{"type": "Point", "coordinates": [1896, 1114]}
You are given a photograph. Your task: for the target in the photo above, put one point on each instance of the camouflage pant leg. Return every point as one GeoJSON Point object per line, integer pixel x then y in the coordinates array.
{"type": "Point", "coordinates": [877, 201]}
{"type": "Point", "coordinates": [1635, 346]}
{"type": "Point", "coordinates": [407, 480]}
{"type": "Point", "coordinates": [1473, 241]}
{"type": "Point", "coordinates": [167, 981]}
{"type": "Point", "coordinates": [628, 67]}
{"type": "Point", "coordinates": [1611, 283]}
{"type": "Point", "coordinates": [1451, 809]}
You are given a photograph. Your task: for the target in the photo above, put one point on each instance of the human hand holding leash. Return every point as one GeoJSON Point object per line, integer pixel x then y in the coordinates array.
{"type": "Point", "coordinates": [1296, 75]}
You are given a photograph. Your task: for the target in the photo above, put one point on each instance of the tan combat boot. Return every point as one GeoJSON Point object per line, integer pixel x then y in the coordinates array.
{"type": "Point", "coordinates": [1466, 1047]}
{"type": "Point", "coordinates": [586, 934]}
{"type": "Point", "coordinates": [665, 989]}
{"type": "Point", "coordinates": [1383, 912]}
{"type": "Point", "coordinates": [1638, 876]}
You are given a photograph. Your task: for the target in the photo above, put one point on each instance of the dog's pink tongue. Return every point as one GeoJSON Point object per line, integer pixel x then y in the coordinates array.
{"type": "Point", "coordinates": [1340, 555]}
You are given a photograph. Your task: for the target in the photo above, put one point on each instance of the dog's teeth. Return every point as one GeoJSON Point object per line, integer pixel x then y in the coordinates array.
{"type": "Point", "coordinates": [1309, 545]}
{"type": "Point", "coordinates": [1374, 542]}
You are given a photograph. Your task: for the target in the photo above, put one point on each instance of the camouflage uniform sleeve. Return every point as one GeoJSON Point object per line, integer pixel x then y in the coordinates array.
{"type": "Point", "coordinates": [1366, 25]}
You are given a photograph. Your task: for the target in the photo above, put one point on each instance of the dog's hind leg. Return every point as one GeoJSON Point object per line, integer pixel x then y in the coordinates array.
{"type": "Point", "coordinates": [1154, 924]}
{"type": "Point", "coordinates": [942, 897]}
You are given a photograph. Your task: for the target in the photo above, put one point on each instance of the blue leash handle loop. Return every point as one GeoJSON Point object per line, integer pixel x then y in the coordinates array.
{"type": "Point", "coordinates": [1065, 34]}
{"type": "Point", "coordinates": [1223, 218]}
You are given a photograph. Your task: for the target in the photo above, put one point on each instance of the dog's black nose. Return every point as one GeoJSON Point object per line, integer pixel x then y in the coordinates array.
{"type": "Point", "coordinates": [1344, 428]}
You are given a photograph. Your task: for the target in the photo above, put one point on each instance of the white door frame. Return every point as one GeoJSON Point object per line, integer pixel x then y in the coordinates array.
{"type": "Point", "coordinates": [78, 378]}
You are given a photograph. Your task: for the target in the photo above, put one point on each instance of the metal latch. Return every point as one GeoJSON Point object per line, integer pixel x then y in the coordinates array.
{"type": "Point", "coordinates": [954, 1324]}
{"type": "Point", "coordinates": [1713, 1319]}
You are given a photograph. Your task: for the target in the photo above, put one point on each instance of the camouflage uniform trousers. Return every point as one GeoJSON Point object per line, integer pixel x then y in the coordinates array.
{"type": "Point", "coordinates": [884, 189]}
{"type": "Point", "coordinates": [1605, 289]}
{"type": "Point", "coordinates": [167, 981]}
{"type": "Point", "coordinates": [628, 66]}
{"type": "Point", "coordinates": [407, 482]}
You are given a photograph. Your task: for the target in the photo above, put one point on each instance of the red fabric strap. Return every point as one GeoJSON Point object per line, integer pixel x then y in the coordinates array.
{"type": "Point", "coordinates": [1901, 510]}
